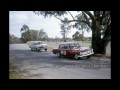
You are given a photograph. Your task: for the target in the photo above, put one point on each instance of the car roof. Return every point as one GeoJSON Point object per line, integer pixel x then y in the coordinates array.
{"type": "Point", "coordinates": [36, 41]}
{"type": "Point", "coordinates": [68, 42]}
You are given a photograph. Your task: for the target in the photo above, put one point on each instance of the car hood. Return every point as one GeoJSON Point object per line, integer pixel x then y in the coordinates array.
{"type": "Point", "coordinates": [84, 48]}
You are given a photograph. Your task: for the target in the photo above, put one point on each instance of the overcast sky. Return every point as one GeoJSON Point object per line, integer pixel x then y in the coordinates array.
{"type": "Point", "coordinates": [50, 25]}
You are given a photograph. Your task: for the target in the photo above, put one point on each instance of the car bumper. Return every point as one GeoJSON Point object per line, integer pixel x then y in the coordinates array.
{"type": "Point", "coordinates": [86, 55]}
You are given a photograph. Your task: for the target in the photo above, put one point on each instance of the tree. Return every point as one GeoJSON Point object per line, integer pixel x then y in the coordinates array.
{"type": "Point", "coordinates": [77, 36]}
{"type": "Point", "coordinates": [99, 22]}
{"type": "Point", "coordinates": [25, 36]}
{"type": "Point", "coordinates": [13, 39]}
{"type": "Point", "coordinates": [64, 29]}
{"type": "Point", "coordinates": [24, 28]}
{"type": "Point", "coordinates": [42, 35]}
{"type": "Point", "coordinates": [33, 34]}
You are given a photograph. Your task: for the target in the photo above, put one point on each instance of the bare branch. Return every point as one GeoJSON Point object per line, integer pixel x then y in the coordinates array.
{"type": "Point", "coordinates": [89, 13]}
{"type": "Point", "coordinates": [71, 15]}
{"type": "Point", "coordinates": [87, 19]}
{"type": "Point", "coordinates": [75, 21]}
{"type": "Point", "coordinates": [87, 24]}
{"type": "Point", "coordinates": [59, 18]}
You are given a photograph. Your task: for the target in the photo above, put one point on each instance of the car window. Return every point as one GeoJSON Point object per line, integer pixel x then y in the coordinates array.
{"type": "Point", "coordinates": [74, 45]}
{"type": "Point", "coordinates": [61, 47]}
{"type": "Point", "coordinates": [37, 43]}
{"type": "Point", "coordinates": [34, 43]}
{"type": "Point", "coordinates": [77, 45]}
{"type": "Point", "coordinates": [66, 46]}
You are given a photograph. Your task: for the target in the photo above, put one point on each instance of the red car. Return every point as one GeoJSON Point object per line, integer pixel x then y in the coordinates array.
{"type": "Point", "coordinates": [72, 49]}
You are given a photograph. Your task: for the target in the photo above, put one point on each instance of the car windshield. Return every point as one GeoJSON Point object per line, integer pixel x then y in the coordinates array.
{"type": "Point", "coordinates": [37, 43]}
{"type": "Point", "coordinates": [75, 45]}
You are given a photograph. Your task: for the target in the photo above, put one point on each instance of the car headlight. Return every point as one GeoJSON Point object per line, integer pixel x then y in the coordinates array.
{"type": "Point", "coordinates": [88, 51]}
{"type": "Point", "coordinates": [80, 53]}
{"type": "Point", "coordinates": [92, 50]}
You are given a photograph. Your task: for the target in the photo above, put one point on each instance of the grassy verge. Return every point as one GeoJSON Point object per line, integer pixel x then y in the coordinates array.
{"type": "Point", "coordinates": [14, 73]}
{"type": "Point", "coordinates": [100, 55]}
{"type": "Point", "coordinates": [49, 48]}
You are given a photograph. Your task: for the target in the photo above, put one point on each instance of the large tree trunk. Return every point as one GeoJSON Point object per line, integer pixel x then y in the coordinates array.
{"type": "Point", "coordinates": [96, 37]}
{"type": "Point", "coordinates": [98, 44]}
{"type": "Point", "coordinates": [106, 39]}
{"type": "Point", "coordinates": [103, 48]}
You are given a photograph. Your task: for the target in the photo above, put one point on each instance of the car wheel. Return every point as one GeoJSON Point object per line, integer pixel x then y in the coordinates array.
{"type": "Point", "coordinates": [76, 57]}
{"type": "Point", "coordinates": [45, 49]}
{"type": "Point", "coordinates": [88, 56]}
{"type": "Point", "coordinates": [58, 54]}
{"type": "Point", "coordinates": [37, 50]}
{"type": "Point", "coordinates": [31, 49]}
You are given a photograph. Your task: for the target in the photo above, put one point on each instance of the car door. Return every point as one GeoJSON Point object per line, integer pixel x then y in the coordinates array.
{"type": "Point", "coordinates": [61, 49]}
{"type": "Point", "coordinates": [67, 51]}
{"type": "Point", "coordinates": [34, 45]}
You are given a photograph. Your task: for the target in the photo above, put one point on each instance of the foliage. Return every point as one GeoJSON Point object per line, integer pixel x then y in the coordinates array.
{"type": "Point", "coordinates": [42, 35]}
{"type": "Point", "coordinates": [65, 29]}
{"type": "Point", "coordinates": [77, 36]}
{"type": "Point", "coordinates": [31, 34]}
{"type": "Point", "coordinates": [14, 39]}
{"type": "Point", "coordinates": [98, 21]}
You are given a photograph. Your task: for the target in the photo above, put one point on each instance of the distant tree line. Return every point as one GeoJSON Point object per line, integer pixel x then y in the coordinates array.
{"type": "Point", "coordinates": [13, 39]}
{"type": "Point", "coordinates": [32, 35]}
{"type": "Point", "coordinates": [77, 36]}
{"type": "Point", "coordinates": [40, 35]}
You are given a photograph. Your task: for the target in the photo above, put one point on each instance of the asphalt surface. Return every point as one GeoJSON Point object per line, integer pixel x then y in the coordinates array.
{"type": "Point", "coordinates": [45, 65]}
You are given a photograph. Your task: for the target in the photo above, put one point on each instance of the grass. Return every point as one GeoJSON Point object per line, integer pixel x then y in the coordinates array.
{"type": "Point", "coordinates": [104, 56]}
{"type": "Point", "coordinates": [49, 48]}
{"type": "Point", "coordinates": [14, 73]}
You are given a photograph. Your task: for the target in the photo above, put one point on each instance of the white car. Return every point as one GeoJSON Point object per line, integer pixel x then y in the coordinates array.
{"type": "Point", "coordinates": [38, 45]}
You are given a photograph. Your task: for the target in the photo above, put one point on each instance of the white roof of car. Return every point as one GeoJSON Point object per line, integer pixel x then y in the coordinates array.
{"type": "Point", "coordinates": [37, 41]}
{"type": "Point", "coordinates": [68, 42]}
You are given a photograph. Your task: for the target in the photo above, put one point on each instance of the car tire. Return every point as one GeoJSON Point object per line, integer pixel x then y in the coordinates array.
{"type": "Point", "coordinates": [45, 49]}
{"type": "Point", "coordinates": [76, 57]}
{"type": "Point", "coordinates": [58, 54]}
{"type": "Point", "coordinates": [88, 56]}
{"type": "Point", "coordinates": [37, 50]}
{"type": "Point", "coordinates": [31, 49]}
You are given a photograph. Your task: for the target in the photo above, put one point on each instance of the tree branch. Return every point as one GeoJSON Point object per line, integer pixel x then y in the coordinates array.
{"type": "Point", "coordinates": [90, 15]}
{"type": "Point", "coordinates": [87, 24]}
{"type": "Point", "coordinates": [75, 21]}
{"type": "Point", "coordinates": [107, 36]}
{"type": "Point", "coordinates": [71, 15]}
{"type": "Point", "coordinates": [87, 20]}
{"type": "Point", "coordinates": [103, 15]}
{"type": "Point", "coordinates": [59, 19]}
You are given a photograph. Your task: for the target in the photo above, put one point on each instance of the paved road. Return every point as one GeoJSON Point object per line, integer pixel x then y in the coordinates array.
{"type": "Point", "coordinates": [45, 65]}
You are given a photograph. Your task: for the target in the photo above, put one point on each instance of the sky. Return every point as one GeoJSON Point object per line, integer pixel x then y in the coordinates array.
{"type": "Point", "coordinates": [50, 25]}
